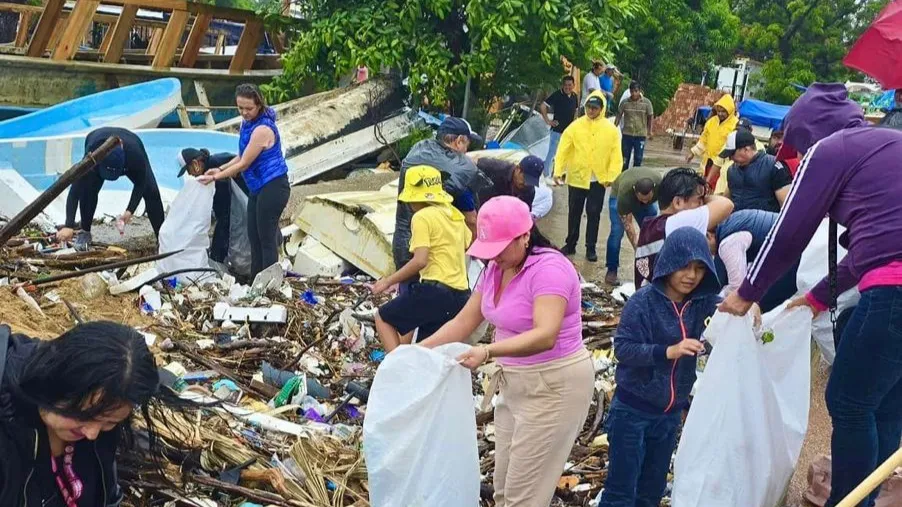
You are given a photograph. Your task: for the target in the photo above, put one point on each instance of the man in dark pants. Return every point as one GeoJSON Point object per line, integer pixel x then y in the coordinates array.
{"type": "Point", "coordinates": [589, 156]}
{"type": "Point", "coordinates": [634, 119]}
{"type": "Point", "coordinates": [196, 162]}
{"type": "Point", "coordinates": [129, 159]}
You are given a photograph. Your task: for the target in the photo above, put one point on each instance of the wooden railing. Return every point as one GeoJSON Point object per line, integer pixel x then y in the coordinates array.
{"type": "Point", "coordinates": [61, 31]}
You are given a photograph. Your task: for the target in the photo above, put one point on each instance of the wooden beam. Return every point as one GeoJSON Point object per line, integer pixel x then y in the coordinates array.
{"type": "Point", "coordinates": [22, 29]}
{"type": "Point", "coordinates": [42, 33]}
{"type": "Point", "coordinates": [170, 40]}
{"type": "Point", "coordinates": [79, 21]}
{"type": "Point", "coordinates": [107, 39]}
{"type": "Point", "coordinates": [247, 47]}
{"type": "Point", "coordinates": [113, 52]}
{"type": "Point", "coordinates": [195, 40]}
{"type": "Point", "coordinates": [220, 44]}
{"type": "Point", "coordinates": [276, 38]}
{"type": "Point", "coordinates": [57, 34]}
{"type": "Point", "coordinates": [154, 43]}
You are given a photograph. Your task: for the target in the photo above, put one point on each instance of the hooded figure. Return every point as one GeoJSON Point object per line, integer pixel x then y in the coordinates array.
{"type": "Point", "coordinates": [714, 136]}
{"type": "Point", "coordinates": [589, 147]}
{"type": "Point", "coordinates": [850, 172]}
{"type": "Point", "coordinates": [651, 322]}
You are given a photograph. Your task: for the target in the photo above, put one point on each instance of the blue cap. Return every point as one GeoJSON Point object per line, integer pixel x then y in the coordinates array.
{"type": "Point", "coordinates": [532, 167]}
{"type": "Point", "coordinates": [112, 167]}
{"type": "Point", "coordinates": [459, 127]}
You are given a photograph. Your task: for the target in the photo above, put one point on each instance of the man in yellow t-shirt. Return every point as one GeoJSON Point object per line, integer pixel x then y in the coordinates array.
{"type": "Point", "coordinates": [438, 242]}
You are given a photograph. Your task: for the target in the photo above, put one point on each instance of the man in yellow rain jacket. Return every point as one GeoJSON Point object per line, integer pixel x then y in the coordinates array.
{"type": "Point", "coordinates": [590, 157]}
{"type": "Point", "coordinates": [713, 138]}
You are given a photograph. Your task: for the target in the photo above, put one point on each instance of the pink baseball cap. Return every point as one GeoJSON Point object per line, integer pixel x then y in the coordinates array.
{"type": "Point", "coordinates": [501, 220]}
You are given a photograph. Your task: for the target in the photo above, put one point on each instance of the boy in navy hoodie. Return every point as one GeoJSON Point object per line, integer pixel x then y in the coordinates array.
{"type": "Point", "coordinates": [656, 345]}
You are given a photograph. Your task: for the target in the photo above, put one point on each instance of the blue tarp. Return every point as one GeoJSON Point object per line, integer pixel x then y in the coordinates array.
{"type": "Point", "coordinates": [763, 114]}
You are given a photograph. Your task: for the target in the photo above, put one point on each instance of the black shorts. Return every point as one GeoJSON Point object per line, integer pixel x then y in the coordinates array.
{"type": "Point", "coordinates": [425, 305]}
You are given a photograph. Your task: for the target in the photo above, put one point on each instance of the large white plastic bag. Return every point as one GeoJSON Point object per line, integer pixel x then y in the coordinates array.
{"type": "Point", "coordinates": [187, 227]}
{"type": "Point", "coordinates": [419, 433]}
{"type": "Point", "coordinates": [748, 420]}
{"type": "Point", "coordinates": [812, 269]}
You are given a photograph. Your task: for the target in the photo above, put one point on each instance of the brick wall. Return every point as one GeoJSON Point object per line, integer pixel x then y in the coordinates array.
{"type": "Point", "coordinates": [683, 105]}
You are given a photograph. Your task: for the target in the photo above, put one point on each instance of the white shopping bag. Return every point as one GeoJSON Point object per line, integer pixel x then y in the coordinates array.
{"type": "Point", "coordinates": [813, 269]}
{"type": "Point", "coordinates": [187, 228]}
{"type": "Point", "coordinates": [419, 433]}
{"type": "Point", "coordinates": [748, 420]}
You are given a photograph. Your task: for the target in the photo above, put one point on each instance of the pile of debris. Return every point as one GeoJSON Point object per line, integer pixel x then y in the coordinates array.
{"type": "Point", "coordinates": [682, 107]}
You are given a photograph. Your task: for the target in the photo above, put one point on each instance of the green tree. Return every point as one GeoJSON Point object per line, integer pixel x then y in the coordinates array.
{"type": "Point", "coordinates": [801, 41]}
{"type": "Point", "coordinates": [504, 46]}
{"type": "Point", "coordinates": [677, 42]}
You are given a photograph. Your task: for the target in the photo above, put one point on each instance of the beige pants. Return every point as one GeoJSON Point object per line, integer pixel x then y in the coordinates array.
{"type": "Point", "coordinates": [540, 412]}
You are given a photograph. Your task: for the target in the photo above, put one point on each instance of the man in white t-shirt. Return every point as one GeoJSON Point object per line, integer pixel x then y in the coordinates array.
{"type": "Point", "coordinates": [684, 202]}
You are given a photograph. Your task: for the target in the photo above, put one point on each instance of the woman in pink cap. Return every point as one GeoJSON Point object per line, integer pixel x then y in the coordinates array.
{"type": "Point", "coordinates": [530, 292]}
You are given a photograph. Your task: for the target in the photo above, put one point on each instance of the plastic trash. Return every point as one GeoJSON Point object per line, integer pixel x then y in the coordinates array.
{"type": "Point", "coordinates": [239, 256]}
{"type": "Point", "coordinates": [744, 433]}
{"type": "Point", "coordinates": [419, 432]}
{"type": "Point", "coordinates": [120, 226]}
{"type": "Point", "coordinates": [813, 269]}
{"type": "Point", "coordinates": [93, 286]}
{"type": "Point", "coordinates": [187, 228]}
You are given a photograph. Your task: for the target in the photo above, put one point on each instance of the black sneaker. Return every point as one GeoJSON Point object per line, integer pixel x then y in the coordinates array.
{"type": "Point", "coordinates": [591, 256]}
{"type": "Point", "coordinates": [568, 250]}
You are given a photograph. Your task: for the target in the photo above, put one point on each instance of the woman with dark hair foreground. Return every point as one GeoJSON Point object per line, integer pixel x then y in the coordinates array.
{"type": "Point", "coordinates": [261, 162]}
{"type": "Point", "coordinates": [530, 292]}
{"type": "Point", "coordinates": [64, 406]}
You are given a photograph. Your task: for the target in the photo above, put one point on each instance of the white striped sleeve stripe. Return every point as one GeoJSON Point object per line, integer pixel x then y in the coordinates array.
{"type": "Point", "coordinates": [649, 249]}
{"type": "Point", "coordinates": [790, 200]}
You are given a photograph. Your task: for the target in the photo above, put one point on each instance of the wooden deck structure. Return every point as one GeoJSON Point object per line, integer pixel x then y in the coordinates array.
{"type": "Point", "coordinates": [60, 31]}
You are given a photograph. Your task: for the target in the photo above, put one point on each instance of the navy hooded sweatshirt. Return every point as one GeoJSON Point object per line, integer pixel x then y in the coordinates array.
{"type": "Point", "coordinates": [651, 322]}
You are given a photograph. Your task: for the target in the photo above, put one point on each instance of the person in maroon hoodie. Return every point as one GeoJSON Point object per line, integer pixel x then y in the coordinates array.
{"type": "Point", "coordinates": [850, 171]}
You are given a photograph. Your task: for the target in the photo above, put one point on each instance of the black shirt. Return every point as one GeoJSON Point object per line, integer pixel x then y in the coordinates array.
{"type": "Point", "coordinates": [753, 186]}
{"type": "Point", "coordinates": [564, 108]}
{"type": "Point", "coordinates": [502, 173]}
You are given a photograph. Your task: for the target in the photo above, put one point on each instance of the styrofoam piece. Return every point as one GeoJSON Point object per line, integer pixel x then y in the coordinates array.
{"type": "Point", "coordinates": [273, 314]}
{"type": "Point", "coordinates": [624, 292]}
{"type": "Point", "coordinates": [312, 259]}
{"type": "Point", "coordinates": [16, 193]}
{"type": "Point", "coordinates": [135, 282]}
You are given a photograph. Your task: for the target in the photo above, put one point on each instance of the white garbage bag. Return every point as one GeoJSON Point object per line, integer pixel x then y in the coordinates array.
{"type": "Point", "coordinates": [419, 433]}
{"type": "Point", "coordinates": [812, 269]}
{"type": "Point", "coordinates": [745, 429]}
{"type": "Point", "coordinates": [187, 228]}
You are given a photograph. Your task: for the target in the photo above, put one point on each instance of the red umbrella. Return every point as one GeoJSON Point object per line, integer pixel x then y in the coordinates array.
{"type": "Point", "coordinates": [878, 52]}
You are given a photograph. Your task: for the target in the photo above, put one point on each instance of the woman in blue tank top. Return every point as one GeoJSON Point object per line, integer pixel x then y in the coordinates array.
{"type": "Point", "coordinates": [263, 166]}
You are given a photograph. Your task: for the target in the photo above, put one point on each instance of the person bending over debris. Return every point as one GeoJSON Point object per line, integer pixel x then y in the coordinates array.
{"type": "Point", "coordinates": [684, 202]}
{"type": "Point", "coordinates": [129, 159]}
{"type": "Point", "coordinates": [737, 242]}
{"type": "Point", "coordinates": [261, 163]}
{"type": "Point", "coordinates": [448, 154]}
{"type": "Point", "coordinates": [519, 180]}
{"type": "Point", "coordinates": [656, 344]}
{"type": "Point", "coordinates": [849, 172]}
{"type": "Point", "coordinates": [438, 240]}
{"type": "Point", "coordinates": [633, 195]}
{"type": "Point", "coordinates": [755, 180]}
{"type": "Point", "coordinates": [531, 294]}
{"type": "Point", "coordinates": [66, 405]}
{"type": "Point", "coordinates": [196, 162]}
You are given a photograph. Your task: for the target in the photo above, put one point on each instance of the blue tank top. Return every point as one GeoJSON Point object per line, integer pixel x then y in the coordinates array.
{"type": "Point", "coordinates": [270, 164]}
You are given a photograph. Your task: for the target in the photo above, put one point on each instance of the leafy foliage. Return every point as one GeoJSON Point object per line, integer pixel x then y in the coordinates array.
{"type": "Point", "coordinates": [505, 46]}
{"type": "Point", "coordinates": [800, 41]}
{"type": "Point", "coordinates": [677, 43]}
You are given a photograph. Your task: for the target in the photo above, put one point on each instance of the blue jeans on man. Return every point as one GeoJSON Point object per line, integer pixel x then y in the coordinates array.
{"type": "Point", "coordinates": [554, 139]}
{"type": "Point", "coordinates": [864, 393]}
{"type": "Point", "coordinates": [615, 238]}
{"type": "Point", "coordinates": [641, 446]}
{"type": "Point", "coordinates": [632, 146]}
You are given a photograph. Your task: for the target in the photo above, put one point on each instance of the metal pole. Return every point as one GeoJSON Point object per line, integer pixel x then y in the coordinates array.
{"type": "Point", "coordinates": [466, 110]}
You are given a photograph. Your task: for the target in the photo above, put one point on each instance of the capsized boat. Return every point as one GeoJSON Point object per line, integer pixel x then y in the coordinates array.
{"type": "Point", "coordinates": [28, 166]}
{"type": "Point", "coordinates": [137, 106]}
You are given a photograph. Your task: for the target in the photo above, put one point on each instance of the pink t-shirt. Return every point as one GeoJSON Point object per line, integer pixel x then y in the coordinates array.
{"type": "Point", "coordinates": [546, 272]}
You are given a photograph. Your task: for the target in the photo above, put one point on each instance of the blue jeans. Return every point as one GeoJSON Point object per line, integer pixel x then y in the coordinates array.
{"type": "Point", "coordinates": [864, 393]}
{"type": "Point", "coordinates": [641, 446]}
{"type": "Point", "coordinates": [612, 255]}
{"type": "Point", "coordinates": [632, 145]}
{"type": "Point", "coordinates": [554, 138]}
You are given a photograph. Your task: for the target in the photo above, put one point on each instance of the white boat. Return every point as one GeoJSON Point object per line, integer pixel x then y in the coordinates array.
{"type": "Point", "coordinates": [137, 106]}
{"type": "Point", "coordinates": [28, 166]}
